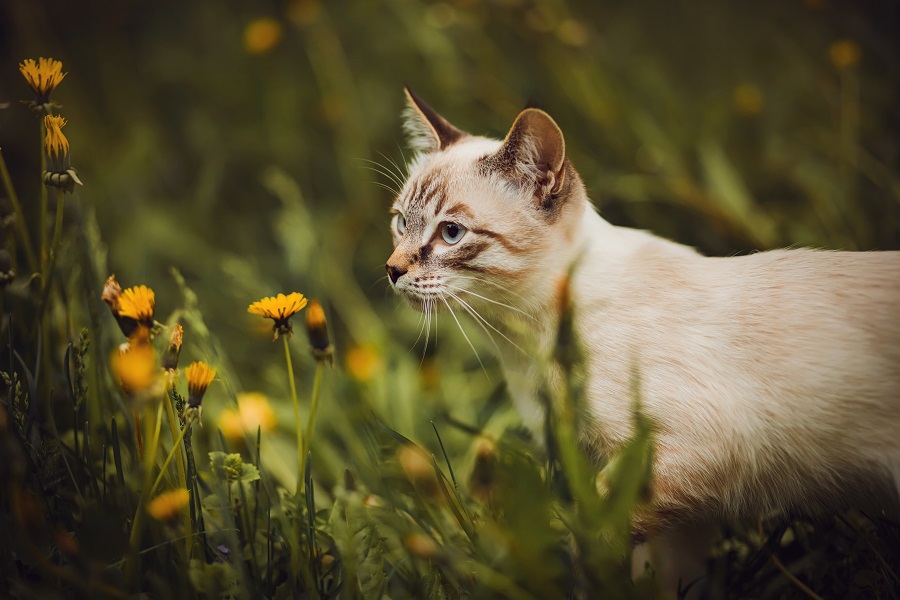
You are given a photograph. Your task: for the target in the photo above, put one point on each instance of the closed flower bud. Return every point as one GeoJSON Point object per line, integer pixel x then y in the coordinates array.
{"type": "Point", "coordinates": [170, 358]}
{"type": "Point", "coordinates": [59, 171]}
{"type": "Point", "coordinates": [317, 330]}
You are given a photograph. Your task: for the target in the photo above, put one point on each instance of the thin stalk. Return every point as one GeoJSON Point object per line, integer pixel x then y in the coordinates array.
{"type": "Point", "coordinates": [134, 540]}
{"type": "Point", "coordinates": [137, 434]}
{"type": "Point", "coordinates": [176, 447]}
{"type": "Point", "coordinates": [42, 222]}
{"type": "Point", "coordinates": [47, 273]}
{"type": "Point", "coordinates": [297, 424]}
{"type": "Point", "coordinates": [182, 476]}
{"type": "Point", "coordinates": [317, 384]}
{"type": "Point", "coordinates": [21, 225]}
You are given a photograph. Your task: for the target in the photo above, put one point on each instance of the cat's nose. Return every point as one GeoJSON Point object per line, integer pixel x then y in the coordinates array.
{"type": "Point", "coordinates": [394, 273]}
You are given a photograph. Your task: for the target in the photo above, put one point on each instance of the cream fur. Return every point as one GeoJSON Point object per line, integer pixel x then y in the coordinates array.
{"type": "Point", "coordinates": [772, 380]}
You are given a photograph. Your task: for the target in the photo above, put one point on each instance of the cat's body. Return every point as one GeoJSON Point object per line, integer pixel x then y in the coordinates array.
{"type": "Point", "coordinates": [772, 380]}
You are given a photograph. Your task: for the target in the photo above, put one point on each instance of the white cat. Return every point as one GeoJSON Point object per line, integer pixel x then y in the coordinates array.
{"type": "Point", "coordinates": [772, 380]}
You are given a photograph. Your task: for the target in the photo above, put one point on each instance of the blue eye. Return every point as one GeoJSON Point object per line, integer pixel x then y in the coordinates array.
{"type": "Point", "coordinates": [401, 224]}
{"type": "Point", "coordinates": [452, 232]}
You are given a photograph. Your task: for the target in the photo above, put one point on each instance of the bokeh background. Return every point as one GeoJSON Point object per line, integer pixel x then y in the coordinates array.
{"type": "Point", "coordinates": [240, 142]}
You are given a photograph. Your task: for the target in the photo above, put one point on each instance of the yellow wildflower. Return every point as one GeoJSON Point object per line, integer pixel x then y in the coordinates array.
{"type": "Point", "coordinates": [254, 412]}
{"type": "Point", "coordinates": [280, 309]}
{"type": "Point", "coordinates": [42, 76]}
{"type": "Point", "coordinates": [138, 303]}
{"type": "Point", "coordinates": [261, 35]}
{"type": "Point", "coordinates": [199, 375]}
{"type": "Point", "coordinates": [363, 363]}
{"type": "Point", "coordinates": [134, 367]}
{"type": "Point", "coordinates": [167, 506]}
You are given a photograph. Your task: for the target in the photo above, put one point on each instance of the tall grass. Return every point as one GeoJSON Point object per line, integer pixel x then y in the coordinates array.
{"type": "Point", "coordinates": [223, 163]}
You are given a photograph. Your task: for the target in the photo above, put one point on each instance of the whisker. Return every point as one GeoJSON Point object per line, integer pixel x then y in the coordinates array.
{"type": "Point", "coordinates": [387, 187]}
{"type": "Point", "coordinates": [453, 314]}
{"type": "Point", "coordinates": [500, 288]}
{"type": "Point", "coordinates": [403, 156]}
{"type": "Point", "coordinates": [383, 170]}
{"type": "Point", "coordinates": [482, 321]}
{"type": "Point", "coordinates": [397, 170]}
{"type": "Point", "coordinates": [491, 300]}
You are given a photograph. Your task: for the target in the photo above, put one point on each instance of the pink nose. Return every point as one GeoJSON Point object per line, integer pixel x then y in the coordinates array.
{"type": "Point", "coordinates": [394, 273]}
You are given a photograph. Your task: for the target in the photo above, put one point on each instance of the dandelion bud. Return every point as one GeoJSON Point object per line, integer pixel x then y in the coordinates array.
{"type": "Point", "coordinates": [170, 358]}
{"type": "Point", "coordinates": [421, 546]}
{"type": "Point", "coordinates": [199, 375]}
{"type": "Point", "coordinates": [317, 330]}
{"type": "Point", "coordinates": [59, 171]}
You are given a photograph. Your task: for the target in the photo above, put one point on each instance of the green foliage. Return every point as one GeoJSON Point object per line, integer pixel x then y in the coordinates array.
{"type": "Point", "coordinates": [218, 174]}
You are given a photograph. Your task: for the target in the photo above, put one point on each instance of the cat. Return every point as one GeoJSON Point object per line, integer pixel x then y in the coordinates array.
{"type": "Point", "coordinates": [772, 380]}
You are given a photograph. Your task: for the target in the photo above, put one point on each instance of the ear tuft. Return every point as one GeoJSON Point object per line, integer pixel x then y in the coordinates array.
{"type": "Point", "coordinates": [426, 129]}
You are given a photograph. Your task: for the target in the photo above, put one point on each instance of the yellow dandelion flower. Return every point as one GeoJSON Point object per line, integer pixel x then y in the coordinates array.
{"type": "Point", "coordinates": [167, 506]}
{"type": "Point", "coordinates": [254, 412]}
{"type": "Point", "coordinates": [317, 330]}
{"type": "Point", "coordinates": [280, 309]}
{"type": "Point", "coordinates": [261, 35]}
{"type": "Point", "coordinates": [134, 367]}
{"type": "Point", "coordinates": [844, 54]}
{"type": "Point", "coordinates": [42, 76]}
{"type": "Point", "coordinates": [138, 303]}
{"type": "Point", "coordinates": [363, 363]}
{"type": "Point", "coordinates": [199, 375]}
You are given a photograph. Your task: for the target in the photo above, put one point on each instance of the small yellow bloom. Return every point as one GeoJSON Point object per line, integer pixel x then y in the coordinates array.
{"type": "Point", "coordinates": [261, 35]}
{"type": "Point", "coordinates": [138, 303]}
{"type": "Point", "coordinates": [254, 412]}
{"type": "Point", "coordinates": [42, 76]}
{"type": "Point", "coordinates": [421, 546]}
{"type": "Point", "coordinates": [280, 309]}
{"type": "Point", "coordinates": [844, 54]}
{"type": "Point", "coordinates": [134, 367]}
{"type": "Point", "coordinates": [167, 506]}
{"type": "Point", "coordinates": [199, 375]}
{"type": "Point", "coordinates": [363, 363]}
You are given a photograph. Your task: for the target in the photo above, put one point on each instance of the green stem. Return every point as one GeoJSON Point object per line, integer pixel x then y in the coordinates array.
{"type": "Point", "coordinates": [149, 458]}
{"type": "Point", "coordinates": [20, 216]}
{"type": "Point", "coordinates": [300, 446]}
{"type": "Point", "coordinates": [182, 477]}
{"type": "Point", "coordinates": [42, 222]}
{"type": "Point", "coordinates": [317, 383]}
{"type": "Point", "coordinates": [47, 274]}
{"type": "Point", "coordinates": [175, 449]}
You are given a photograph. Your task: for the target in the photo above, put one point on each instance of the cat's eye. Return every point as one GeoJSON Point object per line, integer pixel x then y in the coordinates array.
{"type": "Point", "coordinates": [452, 232]}
{"type": "Point", "coordinates": [401, 224]}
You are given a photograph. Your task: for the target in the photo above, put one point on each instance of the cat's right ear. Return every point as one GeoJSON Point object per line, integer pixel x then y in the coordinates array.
{"type": "Point", "coordinates": [427, 130]}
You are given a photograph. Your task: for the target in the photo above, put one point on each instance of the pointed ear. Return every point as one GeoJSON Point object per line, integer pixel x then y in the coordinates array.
{"type": "Point", "coordinates": [533, 154]}
{"type": "Point", "coordinates": [427, 130]}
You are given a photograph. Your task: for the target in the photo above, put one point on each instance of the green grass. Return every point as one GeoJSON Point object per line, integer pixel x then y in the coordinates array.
{"type": "Point", "coordinates": [217, 177]}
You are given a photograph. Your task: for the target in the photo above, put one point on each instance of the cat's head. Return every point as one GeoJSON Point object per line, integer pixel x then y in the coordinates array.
{"type": "Point", "coordinates": [482, 221]}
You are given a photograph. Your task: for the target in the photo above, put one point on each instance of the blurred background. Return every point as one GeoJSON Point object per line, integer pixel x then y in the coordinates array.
{"type": "Point", "coordinates": [234, 141]}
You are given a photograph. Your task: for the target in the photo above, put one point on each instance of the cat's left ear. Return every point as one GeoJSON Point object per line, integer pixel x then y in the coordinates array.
{"type": "Point", "coordinates": [427, 130]}
{"type": "Point", "coordinates": [533, 153]}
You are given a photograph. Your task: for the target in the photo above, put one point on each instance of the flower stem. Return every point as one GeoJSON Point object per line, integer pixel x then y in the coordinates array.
{"type": "Point", "coordinates": [42, 222]}
{"type": "Point", "coordinates": [49, 267]}
{"type": "Point", "coordinates": [20, 216]}
{"type": "Point", "coordinates": [176, 447]}
{"type": "Point", "coordinates": [182, 477]}
{"type": "Point", "coordinates": [307, 441]}
{"type": "Point", "coordinates": [300, 446]}
{"type": "Point", "coordinates": [134, 540]}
